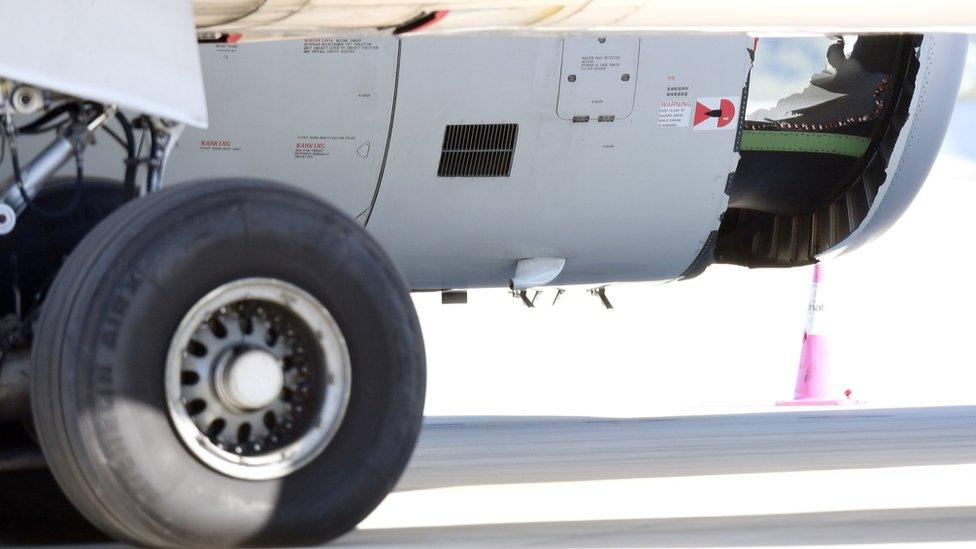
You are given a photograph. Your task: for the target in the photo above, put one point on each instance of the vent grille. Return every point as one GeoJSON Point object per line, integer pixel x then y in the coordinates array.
{"type": "Point", "coordinates": [478, 150]}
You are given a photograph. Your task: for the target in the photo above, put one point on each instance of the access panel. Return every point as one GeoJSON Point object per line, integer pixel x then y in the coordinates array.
{"type": "Point", "coordinates": [314, 113]}
{"type": "Point", "coordinates": [623, 177]}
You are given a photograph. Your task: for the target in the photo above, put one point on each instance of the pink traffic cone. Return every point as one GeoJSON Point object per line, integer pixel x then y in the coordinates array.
{"type": "Point", "coordinates": [814, 385]}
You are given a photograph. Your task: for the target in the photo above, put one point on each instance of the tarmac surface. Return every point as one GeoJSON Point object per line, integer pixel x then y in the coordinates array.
{"type": "Point", "coordinates": [820, 477]}
{"type": "Point", "coordinates": [840, 477]}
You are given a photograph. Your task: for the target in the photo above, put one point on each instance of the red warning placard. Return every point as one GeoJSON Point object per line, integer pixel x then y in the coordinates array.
{"type": "Point", "coordinates": [715, 113]}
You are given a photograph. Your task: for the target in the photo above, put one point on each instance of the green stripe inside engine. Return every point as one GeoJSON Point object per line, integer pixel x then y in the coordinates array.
{"type": "Point", "coordinates": [804, 142]}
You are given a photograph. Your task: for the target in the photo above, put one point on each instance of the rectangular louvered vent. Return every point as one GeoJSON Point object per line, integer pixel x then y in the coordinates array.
{"type": "Point", "coordinates": [478, 150]}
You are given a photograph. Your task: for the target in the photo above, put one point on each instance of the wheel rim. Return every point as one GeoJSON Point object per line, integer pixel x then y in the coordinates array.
{"type": "Point", "coordinates": [257, 379]}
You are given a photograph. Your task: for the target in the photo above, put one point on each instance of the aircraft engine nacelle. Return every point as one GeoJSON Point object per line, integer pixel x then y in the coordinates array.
{"type": "Point", "coordinates": [824, 175]}
{"type": "Point", "coordinates": [942, 58]}
{"type": "Point", "coordinates": [628, 156]}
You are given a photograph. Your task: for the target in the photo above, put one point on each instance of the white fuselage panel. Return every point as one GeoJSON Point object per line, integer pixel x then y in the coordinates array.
{"type": "Point", "coordinates": [630, 199]}
{"type": "Point", "coordinates": [622, 148]}
{"type": "Point", "coordinates": [311, 113]}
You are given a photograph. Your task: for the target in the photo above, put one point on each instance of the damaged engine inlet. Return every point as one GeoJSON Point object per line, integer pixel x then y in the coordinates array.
{"type": "Point", "coordinates": [811, 166]}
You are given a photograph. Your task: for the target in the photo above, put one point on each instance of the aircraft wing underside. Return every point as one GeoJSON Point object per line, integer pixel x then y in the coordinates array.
{"type": "Point", "coordinates": [296, 17]}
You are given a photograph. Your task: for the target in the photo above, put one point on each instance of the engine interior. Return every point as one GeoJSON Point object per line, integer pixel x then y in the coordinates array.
{"type": "Point", "coordinates": [811, 165]}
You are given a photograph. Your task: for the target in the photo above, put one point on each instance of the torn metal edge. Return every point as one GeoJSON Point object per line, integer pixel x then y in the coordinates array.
{"type": "Point", "coordinates": [706, 256]}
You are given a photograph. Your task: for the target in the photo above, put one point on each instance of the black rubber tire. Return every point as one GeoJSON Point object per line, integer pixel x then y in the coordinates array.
{"type": "Point", "coordinates": [99, 352]}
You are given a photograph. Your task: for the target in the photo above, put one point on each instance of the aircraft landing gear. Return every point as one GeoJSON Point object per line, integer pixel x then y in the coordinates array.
{"type": "Point", "coordinates": [227, 363]}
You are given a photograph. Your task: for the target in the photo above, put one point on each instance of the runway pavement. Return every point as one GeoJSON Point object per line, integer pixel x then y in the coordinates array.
{"type": "Point", "coordinates": [836, 478]}
{"type": "Point", "coordinates": [500, 450]}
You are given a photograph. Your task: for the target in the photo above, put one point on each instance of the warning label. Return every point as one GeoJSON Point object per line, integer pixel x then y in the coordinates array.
{"type": "Point", "coordinates": [311, 146]}
{"type": "Point", "coordinates": [338, 45]}
{"type": "Point", "coordinates": [715, 113]}
{"type": "Point", "coordinates": [218, 145]}
{"type": "Point", "coordinates": [674, 113]}
{"type": "Point", "coordinates": [226, 50]}
{"type": "Point", "coordinates": [599, 62]}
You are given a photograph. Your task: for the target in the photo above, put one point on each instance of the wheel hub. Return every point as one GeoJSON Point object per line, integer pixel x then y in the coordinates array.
{"type": "Point", "coordinates": [257, 379]}
{"type": "Point", "coordinates": [249, 379]}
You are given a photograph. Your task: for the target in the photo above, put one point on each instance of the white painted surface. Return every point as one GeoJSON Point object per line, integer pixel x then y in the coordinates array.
{"type": "Point", "coordinates": [538, 271]}
{"type": "Point", "coordinates": [139, 55]}
{"type": "Point", "coordinates": [630, 199]}
{"type": "Point", "coordinates": [311, 113]}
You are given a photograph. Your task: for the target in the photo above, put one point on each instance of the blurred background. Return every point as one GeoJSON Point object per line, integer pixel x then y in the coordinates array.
{"type": "Point", "coordinates": [899, 313]}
